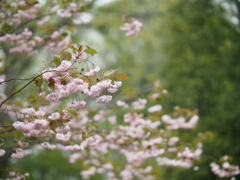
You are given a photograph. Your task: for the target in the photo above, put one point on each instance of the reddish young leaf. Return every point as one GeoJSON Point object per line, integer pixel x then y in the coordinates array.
{"type": "Point", "coordinates": [121, 77]}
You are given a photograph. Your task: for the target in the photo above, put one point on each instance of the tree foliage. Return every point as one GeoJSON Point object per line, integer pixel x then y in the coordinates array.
{"type": "Point", "coordinates": [131, 138]}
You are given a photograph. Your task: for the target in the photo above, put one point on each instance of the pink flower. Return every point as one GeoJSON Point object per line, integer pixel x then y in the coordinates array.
{"type": "Point", "coordinates": [43, 21]}
{"type": "Point", "coordinates": [155, 108]}
{"type": "Point", "coordinates": [65, 65]}
{"type": "Point", "coordinates": [40, 123]}
{"type": "Point", "coordinates": [20, 153]}
{"type": "Point", "coordinates": [2, 152]}
{"type": "Point", "coordinates": [46, 145]}
{"type": "Point", "coordinates": [55, 8]}
{"type": "Point", "coordinates": [23, 144]}
{"type": "Point", "coordinates": [78, 21]}
{"type": "Point", "coordinates": [112, 119]}
{"type": "Point", "coordinates": [28, 111]}
{"type": "Point", "coordinates": [47, 75]}
{"type": "Point", "coordinates": [12, 173]}
{"type": "Point", "coordinates": [122, 104]}
{"type": "Point", "coordinates": [55, 116]}
{"type": "Point", "coordinates": [65, 115]}
{"type": "Point", "coordinates": [42, 94]}
{"type": "Point", "coordinates": [92, 72]}
{"type": "Point", "coordinates": [139, 104]}
{"type": "Point", "coordinates": [53, 97]}
{"type": "Point", "coordinates": [104, 99]}
{"type": "Point", "coordinates": [76, 104]}
{"type": "Point", "coordinates": [39, 113]}
{"type": "Point", "coordinates": [132, 28]}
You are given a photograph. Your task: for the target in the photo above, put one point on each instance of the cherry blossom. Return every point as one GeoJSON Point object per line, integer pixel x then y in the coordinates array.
{"type": "Point", "coordinates": [132, 28]}
{"type": "Point", "coordinates": [104, 99]}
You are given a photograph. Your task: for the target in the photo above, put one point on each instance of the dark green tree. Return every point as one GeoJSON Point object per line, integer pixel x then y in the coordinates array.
{"type": "Point", "coordinates": [193, 47]}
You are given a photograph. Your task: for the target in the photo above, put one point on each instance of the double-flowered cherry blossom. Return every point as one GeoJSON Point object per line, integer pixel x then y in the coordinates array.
{"type": "Point", "coordinates": [132, 28]}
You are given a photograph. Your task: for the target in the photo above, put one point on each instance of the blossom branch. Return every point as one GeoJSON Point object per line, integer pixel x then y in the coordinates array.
{"type": "Point", "coordinates": [33, 79]}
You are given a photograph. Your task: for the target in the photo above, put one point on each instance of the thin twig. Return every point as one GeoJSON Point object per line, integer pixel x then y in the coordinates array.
{"type": "Point", "coordinates": [24, 23]}
{"type": "Point", "coordinates": [16, 79]}
{"type": "Point", "coordinates": [33, 79]}
{"type": "Point", "coordinates": [24, 86]}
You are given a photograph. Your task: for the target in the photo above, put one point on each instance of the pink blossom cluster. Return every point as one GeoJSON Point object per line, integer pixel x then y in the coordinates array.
{"type": "Point", "coordinates": [122, 104]}
{"type": "Point", "coordinates": [37, 128]}
{"type": "Point", "coordinates": [64, 137]}
{"type": "Point", "coordinates": [45, 145]}
{"type": "Point", "coordinates": [92, 72]}
{"type": "Point", "coordinates": [180, 122]}
{"type": "Point", "coordinates": [17, 175]}
{"type": "Point", "coordinates": [139, 104]}
{"type": "Point", "coordinates": [185, 158]}
{"type": "Point", "coordinates": [100, 116]}
{"type": "Point", "coordinates": [91, 142]}
{"type": "Point", "coordinates": [187, 154]}
{"type": "Point", "coordinates": [71, 11]}
{"type": "Point", "coordinates": [129, 172]}
{"type": "Point", "coordinates": [104, 99]}
{"type": "Point", "coordinates": [155, 108]}
{"type": "Point", "coordinates": [132, 28]}
{"type": "Point", "coordinates": [24, 11]}
{"type": "Point", "coordinates": [57, 42]}
{"type": "Point", "coordinates": [76, 104]}
{"type": "Point", "coordinates": [23, 144]}
{"type": "Point", "coordinates": [33, 124]}
{"type": "Point", "coordinates": [183, 163]}
{"type": "Point", "coordinates": [76, 85]}
{"type": "Point", "coordinates": [80, 122]}
{"type": "Point", "coordinates": [43, 21]}
{"type": "Point", "coordinates": [173, 140]}
{"type": "Point", "coordinates": [137, 120]}
{"type": "Point", "coordinates": [24, 42]}
{"type": "Point", "coordinates": [226, 170]}
{"type": "Point", "coordinates": [137, 158]}
{"type": "Point", "coordinates": [2, 152]}
{"type": "Point", "coordinates": [139, 146]}
{"type": "Point", "coordinates": [20, 153]}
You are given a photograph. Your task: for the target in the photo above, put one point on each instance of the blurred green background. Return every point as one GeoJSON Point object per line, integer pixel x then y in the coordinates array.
{"type": "Point", "coordinates": [192, 46]}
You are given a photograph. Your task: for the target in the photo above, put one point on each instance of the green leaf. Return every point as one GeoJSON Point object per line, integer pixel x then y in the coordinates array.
{"type": "Point", "coordinates": [63, 81]}
{"type": "Point", "coordinates": [51, 83]}
{"type": "Point", "coordinates": [31, 99]}
{"type": "Point", "coordinates": [74, 75]}
{"type": "Point", "coordinates": [57, 60]}
{"type": "Point", "coordinates": [73, 48]}
{"type": "Point", "coordinates": [53, 125]}
{"type": "Point", "coordinates": [65, 120]}
{"type": "Point", "coordinates": [59, 123]}
{"type": "Point", "coordinates": [68, 55]}
{"type": "Point", "coordinates": [88, 80]}
{"type": "Point", "coordinates": [83, 8]}
{"type": "Point", "coordinates": [121, 77]}
{"type": "Point", "coordinates": [110, 73]}
{"type": "Point", "coordinates": [91, 51]}
{"type": "Point", "coordinates": [38, 82]}
{"type": "Point", "coordinates": [6, 28]}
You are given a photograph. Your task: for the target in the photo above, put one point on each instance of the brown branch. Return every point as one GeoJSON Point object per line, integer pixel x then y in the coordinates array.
{"type": "Point", "coordinates": [33, 79]}
{"type": "Point", "coordinates": [24, 23]}
{"type": "Point", "coordinates": [7, 131]}
{"type": "Point", "coordinates": [16, 79]}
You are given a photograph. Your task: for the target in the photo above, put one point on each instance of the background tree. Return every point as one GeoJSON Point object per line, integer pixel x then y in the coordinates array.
{"type": "Point", "coordinates": [180, 53]}
{"type": "Point", "coordinates": [193, 47]}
